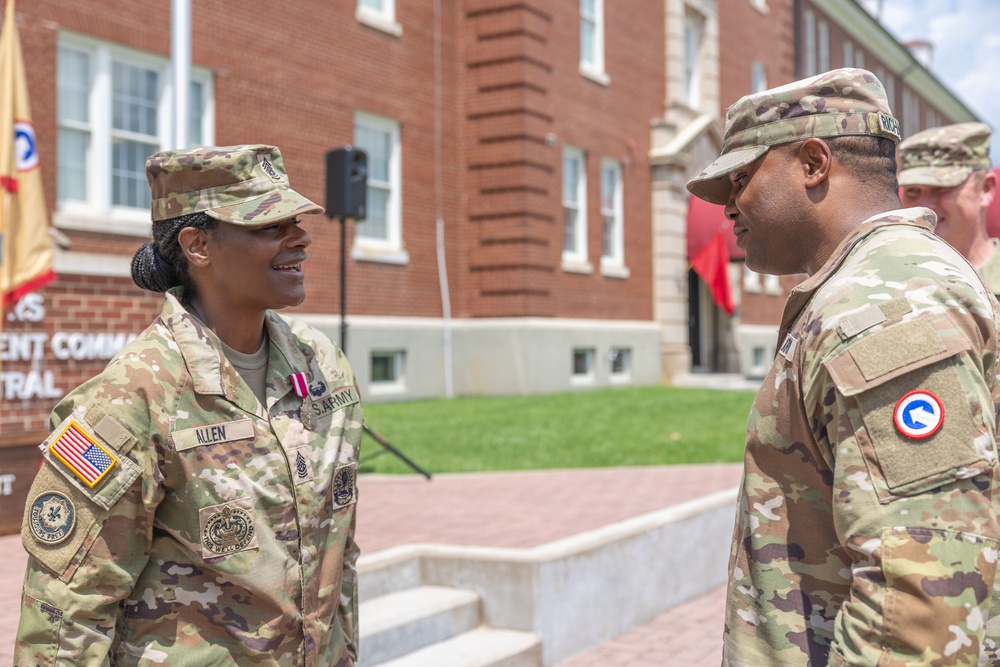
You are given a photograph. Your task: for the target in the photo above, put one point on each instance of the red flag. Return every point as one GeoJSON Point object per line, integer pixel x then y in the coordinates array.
{"type": "Point", "coordinates": [25, 248]}
{"type": "Point", "coordinates": [712, 264]}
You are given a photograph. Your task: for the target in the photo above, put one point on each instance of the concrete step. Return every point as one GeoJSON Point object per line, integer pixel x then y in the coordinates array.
{"type": "Point", "coordinates": [482, 647]}
{"type": "Point", "coordinates": [398, 623]}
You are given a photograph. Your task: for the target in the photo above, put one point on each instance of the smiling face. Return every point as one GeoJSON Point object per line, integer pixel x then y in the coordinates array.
{"type": "Point", "coordinates": [761, 206]}
{"type": "Point", "coordinates": [959, 209]}
{"type": "Point", "coordinates": [253, 269]}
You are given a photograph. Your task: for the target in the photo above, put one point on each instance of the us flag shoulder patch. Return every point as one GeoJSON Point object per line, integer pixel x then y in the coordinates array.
{"type": "Point", "coordinates": [82, 454]}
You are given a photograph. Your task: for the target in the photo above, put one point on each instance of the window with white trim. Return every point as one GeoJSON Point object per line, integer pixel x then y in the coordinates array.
{"type": "Point", "coordinates": [612, 216]}
{"type": "Point", "coordinates": [388, 371]}
{"type": "Point", "coordinates": [379, 236]}
{"type": "Point", "coordinates": [809, 41]}
{"type": "Point", "coordinates": [823, 35]}
{"type": "Point", "coordinates": [592, 38]}
{"type": "Point", "coordinates": [115, 110]}
{"type": "Point", "coordinates": [758, 77]}
{"type": "Point", "coordinates": [620, 361]}
{"type": "Point", "coordinates": [583, 366]}
{"type": "Point", "coordinates": [848, 54]}
{"type": "Point", "coordinates": [772, 284]}
{"type": "Point", "coordinates": [694, 28]}
{"type": "Point", "coordinates": [574, 205]}
{"type": "Point", "coordinates": [751, 280]}
{"type": "Point", "coordinates": [380, 14]}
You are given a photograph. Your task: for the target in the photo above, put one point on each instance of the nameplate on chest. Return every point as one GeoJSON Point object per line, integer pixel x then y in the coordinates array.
{"type": "Point", "coordinates": [332, 402]}
{"type": "Point", "coordinates": [212, 434]}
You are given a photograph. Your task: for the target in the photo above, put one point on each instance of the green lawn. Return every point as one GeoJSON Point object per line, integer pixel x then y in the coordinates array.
{"type": "Point", "coordinates": [612, 427]}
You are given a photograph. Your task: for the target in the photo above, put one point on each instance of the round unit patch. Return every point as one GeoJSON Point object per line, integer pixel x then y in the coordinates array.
{"type": "Point", "coordinates": [228, 531]}
{"type": "Point", "coordinates": [919, 414]}
{"type": "Point", "coordinates": [51, 517]}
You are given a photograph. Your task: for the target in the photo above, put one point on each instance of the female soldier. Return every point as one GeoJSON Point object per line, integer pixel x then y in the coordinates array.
{"type": "Point", "coordinates": [196, 502]}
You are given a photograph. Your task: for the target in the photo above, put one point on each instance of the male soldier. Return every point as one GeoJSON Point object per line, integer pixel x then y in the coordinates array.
{"type": "Point", "coordinates": [947, 169]}
{"type": "Point", "coordinates": [867, 524]}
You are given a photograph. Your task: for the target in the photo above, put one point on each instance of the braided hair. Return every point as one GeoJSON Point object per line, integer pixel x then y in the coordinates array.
{"type": "Point", "coordinates": [160, 264]}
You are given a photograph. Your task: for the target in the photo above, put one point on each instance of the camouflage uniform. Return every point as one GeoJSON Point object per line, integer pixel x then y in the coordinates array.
{"type": "Point", "coordinates": [867, 529]}
{"type": "Point", "coordinates": [178, 521]}
{"type": "Point", "coordinates": [943, 157]}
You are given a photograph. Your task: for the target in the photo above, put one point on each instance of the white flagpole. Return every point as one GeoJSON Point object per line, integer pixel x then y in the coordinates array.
{"type": "Point", "coordinates": [180, 50]}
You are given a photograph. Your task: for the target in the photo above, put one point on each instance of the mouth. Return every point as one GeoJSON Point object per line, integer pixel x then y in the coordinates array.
{"type": "Point", "coordinates": [739, 231]}
{"type": "Point", "coordinates": [293, 269]}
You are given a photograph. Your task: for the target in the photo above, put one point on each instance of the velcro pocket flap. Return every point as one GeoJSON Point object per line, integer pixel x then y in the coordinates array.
{"type": "Point", "coordinates": [887, 354]}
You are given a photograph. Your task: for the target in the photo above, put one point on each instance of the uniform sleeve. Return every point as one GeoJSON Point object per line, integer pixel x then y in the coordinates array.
{"type": "Point", "coordinates": [907, 415]}
{"type": "Point", "coordinates": [348, 610]}
{"type": "Point", "coordinates": [87, 544]}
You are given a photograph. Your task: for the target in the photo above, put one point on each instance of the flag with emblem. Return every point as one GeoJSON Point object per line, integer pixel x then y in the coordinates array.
{"type": "Point", "coordinates": [299, 384]}
{"type": "Point", "coordinates": [25, 248]}
{"type": "Point", "coordinates": [82, 454]}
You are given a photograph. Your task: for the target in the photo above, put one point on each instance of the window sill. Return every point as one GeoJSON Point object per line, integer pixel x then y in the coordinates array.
{"type": "Point", "coordinates": [597, 76]}
{"type": "Point", "coordinates": [582, 380]}
{"type": "Point", "coordinates": [366, 253]}
{"type": "Point", "coordinates": [386, 388]}
{"type": "Point", "coordinates": [124, 223]}
{"type": "Point", "coordinates": [624, 378]}
{"type": "Point", "coordinates": [614, 270]}
{"type": "Point", "coordinates": [577, 266]}
{"type": "Point", "coordinates": [378, 21]}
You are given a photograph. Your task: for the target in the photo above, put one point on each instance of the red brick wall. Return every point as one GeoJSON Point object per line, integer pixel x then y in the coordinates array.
{"type": "Point", "coordinates": [72, 304]}
{"type": "Point", "coordinates": [745, 35]}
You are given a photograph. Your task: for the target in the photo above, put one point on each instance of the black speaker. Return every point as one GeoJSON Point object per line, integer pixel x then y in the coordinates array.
{"type": "Point", "coordinates": [346, 183]}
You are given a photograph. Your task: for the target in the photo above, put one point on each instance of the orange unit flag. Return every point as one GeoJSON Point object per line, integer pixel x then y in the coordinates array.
{"type": "Point", "coordinates": [712, 264]}
{"type": "Point", "coordinates": [25, 247]}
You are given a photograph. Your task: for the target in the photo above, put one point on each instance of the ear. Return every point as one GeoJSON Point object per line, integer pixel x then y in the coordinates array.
{"type": "Point", "coordinates": [194, 245]}
{"type": "Point", "coordinates": [816, 159]}
{"type": "Point", "coordinates": [989, 189]}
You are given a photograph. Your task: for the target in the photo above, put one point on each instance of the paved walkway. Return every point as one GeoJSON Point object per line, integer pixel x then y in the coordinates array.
{"type": "Point", "coordinates": [513, 509]}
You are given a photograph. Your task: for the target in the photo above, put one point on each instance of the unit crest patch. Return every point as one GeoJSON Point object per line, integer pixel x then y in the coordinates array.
{"type": "Point", "coordinates": [343, 485]}
{"type": "Point", "coordinates": [51, 517]}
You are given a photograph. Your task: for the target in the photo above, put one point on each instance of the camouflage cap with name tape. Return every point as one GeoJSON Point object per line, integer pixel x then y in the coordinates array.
{"type": "Point", "coordinates": [943, 157]}
{"type": "Point", "coordinates": [242, 185]}
{"type": "Point", "coordinates": [838, 103]}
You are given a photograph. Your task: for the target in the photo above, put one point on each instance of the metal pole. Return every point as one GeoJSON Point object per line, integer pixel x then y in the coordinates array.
{"type": "Point", "coordinates": [343, 284]}
{"type": "Point", "coordinates": [180, 48]}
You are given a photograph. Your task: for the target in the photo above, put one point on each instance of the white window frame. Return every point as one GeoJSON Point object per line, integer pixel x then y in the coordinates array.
{"type": "Point", "coordinates": [823, 46]}
{"type": "Point", "coordinates": [575, 259]}
{"type": "Point", "coordinates": [625, 375]}
{"type": "Point", "coordinates": [848, 53]}
{"type": "Point", "coordinates": [613, 265]}
{"type": "Point", "coordinates": [390, 249]}
{"type": "Point", "coordinates": [594, 69]}
{"type": "Point", "coordinates": [97, 213]}
{"type": "Point", "coordinates": [751, 280]}
{"type": "Point", "coordinates": [758, 77]}
{"type": "Point", "coordinates": [694, 36]}
{"type": "Point", "coordinates": [772, 284]}
{"type": "Point", "coordinates": [809, 42]}
{"type": "Point", "coordinates": [588, 378]}
{"type": "Point", "coordinates": [383, 19]}
{"type": "Point", "coordinates": [394, 386]}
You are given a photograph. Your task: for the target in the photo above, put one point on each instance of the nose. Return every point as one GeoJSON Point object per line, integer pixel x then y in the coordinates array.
{"type": "Point", "coordinates": [299, 237]}
{"type": "Point", "coordinates": [730, 209]}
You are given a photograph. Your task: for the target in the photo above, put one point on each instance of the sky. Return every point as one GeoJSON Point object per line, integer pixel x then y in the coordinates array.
{"type": "Point", "coordinates": [966, 38]}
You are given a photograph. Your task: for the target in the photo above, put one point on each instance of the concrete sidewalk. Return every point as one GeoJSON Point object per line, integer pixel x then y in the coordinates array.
{"type": "Point", "coordinates": [516, 510]}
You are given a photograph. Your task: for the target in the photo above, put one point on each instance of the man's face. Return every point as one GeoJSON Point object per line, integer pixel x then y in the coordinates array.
{"type": "Point", "coordinates": [959, 209]}
{"type": "Point", "coordinates": [764, 216]}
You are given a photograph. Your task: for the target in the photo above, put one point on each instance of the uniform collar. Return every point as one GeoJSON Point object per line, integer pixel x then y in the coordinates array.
{"type": "Point", "coordinates": [923, 218]}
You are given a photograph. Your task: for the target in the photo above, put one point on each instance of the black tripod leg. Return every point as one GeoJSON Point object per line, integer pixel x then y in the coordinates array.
{"type": "Point", "coordinates": [402, 457]}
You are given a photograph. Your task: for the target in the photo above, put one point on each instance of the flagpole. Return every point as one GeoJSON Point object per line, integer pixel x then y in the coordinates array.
{"type": "Point", "coordinates": [180, 49]}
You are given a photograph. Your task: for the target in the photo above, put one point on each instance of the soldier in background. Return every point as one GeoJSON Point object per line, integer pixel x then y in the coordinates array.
{"type": "Point", "coordinates": [867, 529]}
{"type": "Point", "coordinates": [196, 501]}
{"type": "Point", "coordinates": [947, 169]}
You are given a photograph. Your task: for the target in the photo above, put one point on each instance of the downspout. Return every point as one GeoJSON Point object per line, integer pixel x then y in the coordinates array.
{"type": "Point", "coordinates": [449, 390]}
{"type": "Point", "coordinates": [180, 48]}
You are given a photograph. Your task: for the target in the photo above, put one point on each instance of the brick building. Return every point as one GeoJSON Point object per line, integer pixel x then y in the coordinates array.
{"type": "Point", "coordinates": [506, 248]}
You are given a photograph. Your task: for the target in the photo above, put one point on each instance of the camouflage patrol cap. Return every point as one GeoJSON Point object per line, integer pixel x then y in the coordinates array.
{"type": "Point", "coordinates": [943, 157]}
{"type": "Point", "coordinates": [837, 103]}
{"type": "Point", "coordinates": [243, 185]}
